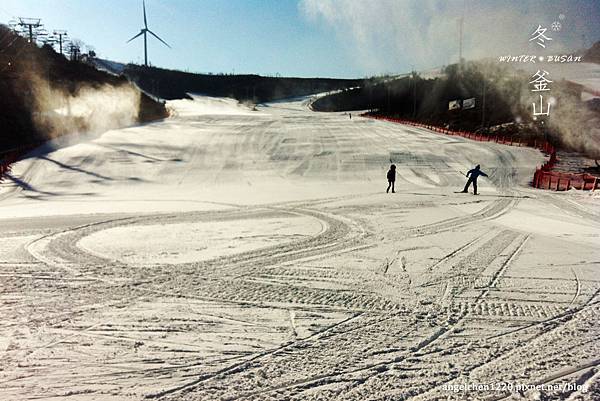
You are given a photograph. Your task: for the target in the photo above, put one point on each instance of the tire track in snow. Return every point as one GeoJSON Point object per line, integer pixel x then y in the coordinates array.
{"type": "Point", "coordinates": [376, 368]}
{"type": "Point", "coordinates": [239, 366]}
{"type": "Point", "coordinates": [555, 323]}
{"type": "Point", "coordinates": [443, 331]}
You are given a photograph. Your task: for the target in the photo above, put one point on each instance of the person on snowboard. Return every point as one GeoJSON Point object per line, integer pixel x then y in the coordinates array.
{"type": "Point", "coordinates": [473, 174]}
{"type": "Point", "coordinates": [391, 177]}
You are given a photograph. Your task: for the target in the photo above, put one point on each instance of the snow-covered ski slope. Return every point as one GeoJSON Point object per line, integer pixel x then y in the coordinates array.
{"type": "Point", "coordinates": [233, 254]}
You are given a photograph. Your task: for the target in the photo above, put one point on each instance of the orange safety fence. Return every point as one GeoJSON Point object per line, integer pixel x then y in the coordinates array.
{"type": "Point", "coordinates": [543, 177]}
{"type": "Point", "coordinates": [543, 145]}
{"type": "Point", "coordinates": [559, 181]}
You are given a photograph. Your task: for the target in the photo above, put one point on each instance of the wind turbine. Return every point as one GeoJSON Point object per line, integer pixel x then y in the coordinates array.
{"type": "Point", "coordinates": [144, 31]}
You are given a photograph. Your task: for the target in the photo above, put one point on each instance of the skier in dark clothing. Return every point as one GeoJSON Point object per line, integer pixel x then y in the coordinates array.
{"type": "Point", "coordinates": [473, 174]}
{"type": "Point", "coordinates": [391, 177]}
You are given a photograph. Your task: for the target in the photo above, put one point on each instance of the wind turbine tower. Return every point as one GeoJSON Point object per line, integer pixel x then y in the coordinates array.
{"type": "Point", "coordinates": [145, 31]}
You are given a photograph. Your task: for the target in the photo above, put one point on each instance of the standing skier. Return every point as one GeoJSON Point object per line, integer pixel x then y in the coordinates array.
{"type": "Point", "coordinates": [473, 174]}
{"type": "Point", "coordinates": [391, 177]}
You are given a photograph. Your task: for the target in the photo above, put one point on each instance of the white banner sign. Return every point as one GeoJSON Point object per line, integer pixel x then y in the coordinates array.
{"type": "Point", "coordinates": [454, 105]}
{"type": "Point", "coordinates": [468, 103]}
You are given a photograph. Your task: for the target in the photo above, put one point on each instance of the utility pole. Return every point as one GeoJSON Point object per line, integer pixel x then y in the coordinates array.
{"type": "Point", "coordinates": [30, 23]}
{"type": "Point", "coordinates": [460, 41]}
{"type": "Point", "coordinates": [60, 34]}
{"type": "Point", "coordinates": [460, 37]}
{"type": "Point", "coordinates": [483, 105]}
{"type": "Point", "coordinates": [414, 79]}
{"type": "Point", "coordinates": [388, 97]}
{"type": "Point", "coordinates": [75, 51]}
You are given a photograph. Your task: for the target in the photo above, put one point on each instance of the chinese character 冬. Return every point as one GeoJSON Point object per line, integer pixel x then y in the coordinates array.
{"type": "Point", "coordinates": [539, 36]}
{"type": "Point", "coordinates": [540, 81]}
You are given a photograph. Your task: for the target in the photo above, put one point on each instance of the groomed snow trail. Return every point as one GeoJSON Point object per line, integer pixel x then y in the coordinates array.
{"type": "Point", "coordinates": [229, 254]}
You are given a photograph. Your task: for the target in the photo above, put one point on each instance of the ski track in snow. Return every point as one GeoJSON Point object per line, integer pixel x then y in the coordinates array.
{"type": "Point", "coordinates": [279, 269]}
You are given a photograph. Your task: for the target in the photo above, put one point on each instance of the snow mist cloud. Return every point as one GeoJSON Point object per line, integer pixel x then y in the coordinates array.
{"type": "Point", "coordinates": [87, 109]}
{"type": "Point", "coordinates": [577, 126]}
{"type": "Point", "coordinates": [396, 35]}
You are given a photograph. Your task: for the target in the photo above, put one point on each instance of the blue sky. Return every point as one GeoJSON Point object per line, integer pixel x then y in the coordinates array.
{"type": "Point", "coordinates": [336, 38]}
{"type": "Point", "coordinates": [251, 36]}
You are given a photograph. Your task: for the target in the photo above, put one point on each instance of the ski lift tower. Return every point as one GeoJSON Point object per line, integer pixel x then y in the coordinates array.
{"type": "Point", "coordinates": [30, 24]}
{"type": "Point", "coordinates": [61, 34]}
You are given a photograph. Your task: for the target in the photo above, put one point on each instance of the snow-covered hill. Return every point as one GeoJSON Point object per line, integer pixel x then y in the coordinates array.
{"type": "Point", "coordinates": [226, 253]}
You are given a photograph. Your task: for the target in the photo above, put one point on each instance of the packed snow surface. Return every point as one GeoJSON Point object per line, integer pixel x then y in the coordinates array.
{"type": "Point", "coordinates": [226, 254]}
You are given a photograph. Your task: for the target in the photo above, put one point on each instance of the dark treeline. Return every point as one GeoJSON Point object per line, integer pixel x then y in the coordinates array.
{"type": "Point", "coordinates": [426, 100]}
{"type": "Point", "coordinates": [592, 55]}
{"type": "Point", "coordinates": [24, 67]}
{"type": "Point", "coordinates": [503, 104]}
{"type": "Point", "coordinates": [172, 84]}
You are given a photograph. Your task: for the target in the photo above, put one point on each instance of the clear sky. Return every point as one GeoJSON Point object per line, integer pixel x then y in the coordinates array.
{"type": "Point", "coordinates": [336, 38]}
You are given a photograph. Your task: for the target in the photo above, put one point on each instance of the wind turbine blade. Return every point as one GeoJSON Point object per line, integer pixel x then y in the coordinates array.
{"type": "Point", "coordinates": [156, 36]}
{"type": "Point", "coordinates": [144, 6]}
{"type": "Point", "coordinates": [141, 32]}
